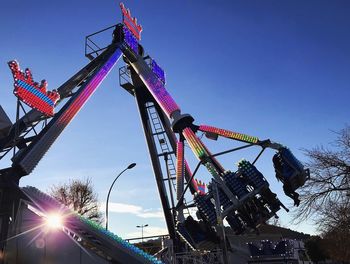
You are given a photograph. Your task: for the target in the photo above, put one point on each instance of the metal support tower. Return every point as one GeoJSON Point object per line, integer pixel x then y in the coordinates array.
{"type": "Point", "coordinates": [29, 149]}
{"type": "Point", "coordinates": [243, 197]}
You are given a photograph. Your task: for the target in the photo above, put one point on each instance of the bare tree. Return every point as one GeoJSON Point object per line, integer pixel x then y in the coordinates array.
{"type": "Point", "coordinates": [316, 249]}
{"type": "Point", "coordinates": [329, 183]}
{"type": "Point", "coordinates": [326, 196]}
{"type": "Point", "coordinates": [336, 231]}
{"type": "Point", "coordinates": [335, 216]}
{"type": "Point", "coordinates": [79, 196]}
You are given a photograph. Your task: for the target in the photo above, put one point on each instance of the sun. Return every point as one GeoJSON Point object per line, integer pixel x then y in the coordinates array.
{"type": "Point", "coordinates": [54, 221]}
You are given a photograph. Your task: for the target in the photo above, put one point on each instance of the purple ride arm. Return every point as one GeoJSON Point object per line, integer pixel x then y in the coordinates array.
{"type": "Point", "coordinates": [27, 161]}
{"type": "Point", "coordinates": [155, 87]}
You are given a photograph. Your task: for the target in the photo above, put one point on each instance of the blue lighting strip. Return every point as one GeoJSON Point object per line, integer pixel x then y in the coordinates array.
{"type": "Point", "coordinates": [34, 153]}
{"type": "Point", "coordinates": [158, 71]}
{"type": "Point", "coordinates": [34, 91]}
{"type": "Point", "coordinates": [121, 241]}
{"type": "Point", "coordinates": [130, 40]}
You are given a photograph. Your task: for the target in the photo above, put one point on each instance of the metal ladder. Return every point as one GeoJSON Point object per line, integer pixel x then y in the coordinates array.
{"type": "Point", "coordinates": [160, 133]}
{"type": "Point", "coordinates": [166, 150]}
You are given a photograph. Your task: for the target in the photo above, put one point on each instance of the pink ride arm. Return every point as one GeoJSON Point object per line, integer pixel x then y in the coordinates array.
{"type": "Point", "coordinates": [183, 170]}
{"type": "Point", "coordinates": [180, 169]}
{"type": "Point", "coordinates": [156, 87]}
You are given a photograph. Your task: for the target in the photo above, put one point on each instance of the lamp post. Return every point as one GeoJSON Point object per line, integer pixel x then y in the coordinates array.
{"type": "Point", "coordinates": [132, 165]}
{"type": "Point", "coordinates": [142, 226]}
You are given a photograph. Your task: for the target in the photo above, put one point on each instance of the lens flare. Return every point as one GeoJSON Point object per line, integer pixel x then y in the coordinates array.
{"type": "Point", "coordinates": [54, 221]}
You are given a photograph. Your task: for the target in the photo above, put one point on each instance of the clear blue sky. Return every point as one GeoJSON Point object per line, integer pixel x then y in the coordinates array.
{"type": "Point", "coordinates": [272, 69]}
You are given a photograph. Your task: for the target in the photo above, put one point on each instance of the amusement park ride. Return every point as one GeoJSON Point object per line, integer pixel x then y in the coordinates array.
{"type": "Point", "coordinates": [242, 197]}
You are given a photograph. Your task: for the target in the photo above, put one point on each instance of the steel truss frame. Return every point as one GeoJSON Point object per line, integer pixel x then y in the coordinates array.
{"type": "Point", "coordinates": [149, 92]}
{"type": "Point", "coordinates": [77, 90]}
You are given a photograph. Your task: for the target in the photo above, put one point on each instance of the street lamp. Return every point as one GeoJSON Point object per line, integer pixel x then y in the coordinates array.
{"type": "Point", "coordinates": [132, 165]}
{"type": "Point", "coordinates": [142, 226]}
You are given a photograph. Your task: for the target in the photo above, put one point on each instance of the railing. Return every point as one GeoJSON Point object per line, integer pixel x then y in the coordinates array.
{"type": "Point", "coordinates": [124, 76]}
{"type": "Point", "coordinates": [92, 49]}
{"type": "Point", "coordinates": [149, 244]}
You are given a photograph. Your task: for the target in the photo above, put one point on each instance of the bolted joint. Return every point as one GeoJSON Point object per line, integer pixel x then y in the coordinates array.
{"type": "Point", "coordinates": [181, 121]}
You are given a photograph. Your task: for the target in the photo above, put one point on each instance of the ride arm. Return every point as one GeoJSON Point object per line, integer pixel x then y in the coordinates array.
{"type": "Point", "coordinates": [180, 169]}
{"type": "Point", "coordinates": [214, 132]}
{"type": "Point", "coordinates": [289, 170]}
{"type": "Point", "coordinates": [33, 116]}
{"type": "Point", "coordinates": [65, 90]}
{"type": "Point", "coordinates": [26, 160]}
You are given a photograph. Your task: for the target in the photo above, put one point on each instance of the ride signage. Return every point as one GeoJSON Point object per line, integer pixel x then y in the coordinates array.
{"type": "Point", "coordinates": [32, 93]}
{"type": "Point", "coordinates": [131, 22]}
